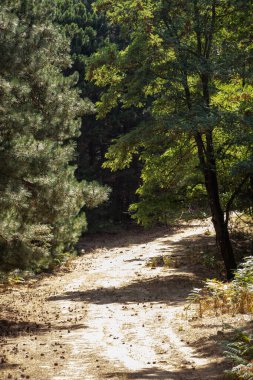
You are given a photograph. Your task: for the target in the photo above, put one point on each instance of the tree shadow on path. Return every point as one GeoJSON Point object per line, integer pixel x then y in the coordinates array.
{"type": "Point", "coordinates": [205, 373]}
{"type": "Point", "coordinates": [124, 239]}
{"type": "Point", "coordinates": [171, 289]}
{"type": "Point", "coordinates": [12, 328]}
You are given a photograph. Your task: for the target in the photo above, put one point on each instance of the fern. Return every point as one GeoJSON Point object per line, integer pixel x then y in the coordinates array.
{"type": "Point", "coordinates": [241, 353]}
{"type": "Point", "coordinates": [194, 296]}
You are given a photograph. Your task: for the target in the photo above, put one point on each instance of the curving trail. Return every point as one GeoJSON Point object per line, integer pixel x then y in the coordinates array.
{"type": "Point", "coordinates": [110, 317]}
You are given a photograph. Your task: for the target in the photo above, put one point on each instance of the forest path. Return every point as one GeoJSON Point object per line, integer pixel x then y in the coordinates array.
{"type": "Point", "coordinates": [110, 317]}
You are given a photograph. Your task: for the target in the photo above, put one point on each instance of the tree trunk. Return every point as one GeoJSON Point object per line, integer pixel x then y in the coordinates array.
{"type": "Point", "coordinates": [207, 159]}
{"type": "Point", "coordinates": [208, 167]}
{"type": "Point", "coordinates": [251, 187]}
{"type": "Point", "coordinates": [220, 226]}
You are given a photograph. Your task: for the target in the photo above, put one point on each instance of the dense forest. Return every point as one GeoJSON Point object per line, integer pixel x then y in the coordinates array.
{"type": "Point", "coordinates": [117, 113]}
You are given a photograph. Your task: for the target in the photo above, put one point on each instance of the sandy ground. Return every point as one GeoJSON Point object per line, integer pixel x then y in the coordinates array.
{"type": "Point", "coordinates": [111, 316]}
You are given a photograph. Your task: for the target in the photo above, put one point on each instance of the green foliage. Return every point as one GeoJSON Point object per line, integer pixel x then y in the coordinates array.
{"type": "Point", "coordinates": [170, 184]}
{"type": "Point", "coordinates": [40, 199]}
{"type": "Point", "coordinates": [240, 351]}
{"type": "Point", "coordinates": [86, 31]}
{"type": "Point", "coordinates": [89, 31]}
{"type": "Point", "coordinates": [161, 71]}
{"type": "Point", "coordinates": [236, 296]}
{"type": "Point", "coordinates": [244, 274]}
{"type": "Point", "coordinates": [95, 195]}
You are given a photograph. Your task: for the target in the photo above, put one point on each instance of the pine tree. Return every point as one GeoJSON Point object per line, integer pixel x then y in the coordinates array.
{"type": "Point", "coordinates": [40, 199]}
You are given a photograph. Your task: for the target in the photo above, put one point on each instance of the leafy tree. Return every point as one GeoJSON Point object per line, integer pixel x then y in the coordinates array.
{"type": "Point", "coordinates": [40, 119]}
{"type": "Point", "coordinates": [188, 67]}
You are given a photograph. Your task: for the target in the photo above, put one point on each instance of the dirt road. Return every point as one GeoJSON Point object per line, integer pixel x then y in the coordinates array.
{"type": "Point", "coordinates": [111, 316]}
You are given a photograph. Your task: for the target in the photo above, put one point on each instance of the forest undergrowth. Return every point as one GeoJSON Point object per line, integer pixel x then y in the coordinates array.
{"type": "Point", "coordinates": [218, 298]}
